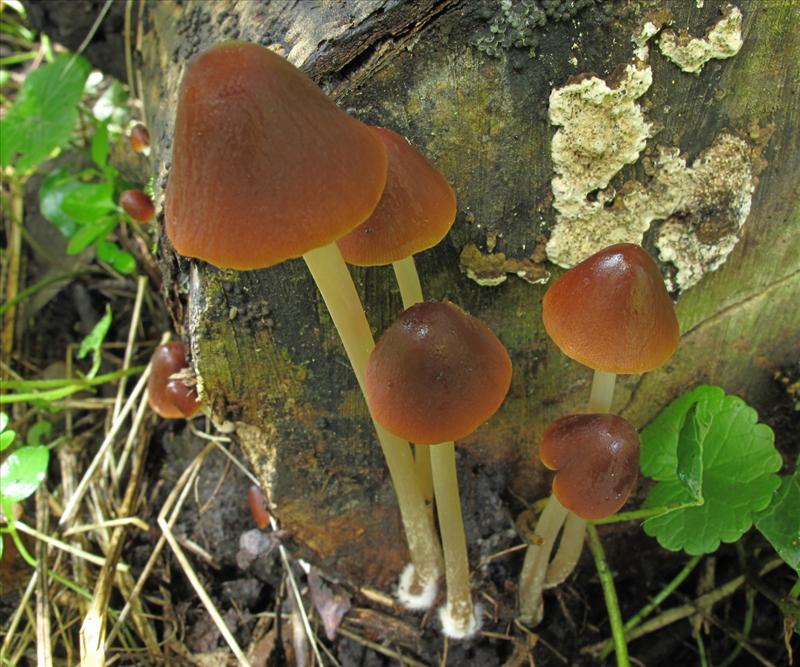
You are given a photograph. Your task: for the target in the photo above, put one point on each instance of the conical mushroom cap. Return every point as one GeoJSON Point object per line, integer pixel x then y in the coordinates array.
{"type": "Point", "coordinates": [264, 166]}
{"type": "Point", "coordinates": [436, 374]}
{"type": "Point", "coordinates": [612, 312]}
{"type": "Point", "coordinates": [597, 459]}
{"type": "Point", "coordinates": [415, 212]}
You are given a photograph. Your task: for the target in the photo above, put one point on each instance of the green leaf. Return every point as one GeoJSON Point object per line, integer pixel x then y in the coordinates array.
{"type": "Point", "coordinates": [738, 467]}
{"type": "Point", "coordinates": [99, 149]}
{"type": "Point", "coordinates": [6, 436]}
{"type": "Point", "coordinates": [780, 521]}
{"type": "Point", "coordinates": [89, 202]}
{"type": "Point", "coordinates": [94, 340]}
{"type": "Point", "coordinates": [44, 113]}
{"type": "Point", "coordinates": [690, 456]}
{"type": "Point", "coordinates": [54, 188]}
{"type": "Point", "coordinates": [41, 429]}
{"type": "Point", "coordinates": [659, 453]}
{"type": "Point", "coordinates": [88, 234]}
{"type": "Point", "coordinates": [106, 250]}
{"type": "Point", "coordinates": [124, 262]}
{"type": "Point", "coordinates": [22, 471]}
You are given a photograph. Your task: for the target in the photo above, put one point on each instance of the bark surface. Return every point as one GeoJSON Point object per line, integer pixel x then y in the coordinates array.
{"type": "Point", "coordinates": [470, 84]}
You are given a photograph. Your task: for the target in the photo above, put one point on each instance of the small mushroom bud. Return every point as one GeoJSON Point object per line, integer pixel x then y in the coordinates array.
{"type": "Point", "coordinates": [258, 506]}
{"type": "Point", "coordinates": [597, 460]}
{"type": "Point", "coordinates": [168, 395]}
{"type": "Point", "coordinates": [139, 138]}
{"type": "Point", "coordinates": [137, 205]}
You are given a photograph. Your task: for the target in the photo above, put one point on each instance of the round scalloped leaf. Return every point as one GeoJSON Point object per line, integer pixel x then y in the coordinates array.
{"type": "Point", "coordinates": [659, 454]}
{"type": "Point", "coordinates": [780, 522]}
{"type": "Point", "coordinates": [739, 462]}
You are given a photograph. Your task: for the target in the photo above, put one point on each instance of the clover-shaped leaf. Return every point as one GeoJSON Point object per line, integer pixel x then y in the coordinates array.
{"type": "Point", "coordinates": [733, 479]}
{"type": "Point", "coordinates": [780, 522]}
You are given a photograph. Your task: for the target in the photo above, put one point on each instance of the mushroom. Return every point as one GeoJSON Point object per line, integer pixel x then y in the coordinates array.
{"type": "Point", "coordinates": [435, 375]}
{"type": "Point", "coordinates": [415, 212]}
{"type": "Point", "coordinates": [596, 459]}
{"type": "Point", "coordinates": [137, 205]}
{"type": "Point", "coordinates": [266, 168]}
{"type": "Point", "coordinates": [612, 313]}
{"type": "Point", "coordinates": [167, 394]}
{"type": "Point", "coordinates": [139, 138]}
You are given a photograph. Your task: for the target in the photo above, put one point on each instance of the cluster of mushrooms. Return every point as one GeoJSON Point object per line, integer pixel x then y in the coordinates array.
{"type": "Point", "coordinates": [323, 186]}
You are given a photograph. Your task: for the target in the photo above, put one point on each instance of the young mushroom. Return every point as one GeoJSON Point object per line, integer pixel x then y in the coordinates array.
{"type": "Point", "coordinates": [139, 138]}
{"type": "Point", "coordinates": [415, 212]}
{"type": "Point", "coordinates": [137, 205]}
{"type": "Point", "coordinates": [435, 375]}
{"type": "Point", "coordinates": [266, 168]}
{"type": "Point", "coordinates": [168, 395]}
{"type": "Point", "coordinates": [612, 313]}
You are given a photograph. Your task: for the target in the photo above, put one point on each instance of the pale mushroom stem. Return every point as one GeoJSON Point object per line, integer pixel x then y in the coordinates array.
{"type": "Point", "coordinates": [458, 617]}
{"type": "Point", "coordinates": [344, 305]}
{"type": "Point", "coordinates": [405, 272]}
{"type": "Point", "coordinates": [538, 572]}
{"type": "Point", "coordinates": [534, 567]}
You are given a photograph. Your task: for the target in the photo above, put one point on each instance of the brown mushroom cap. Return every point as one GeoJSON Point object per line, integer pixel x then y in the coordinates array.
{"type": "Point", "coordinates": [170, 398]}
{"type": "Point", "coordinates": [264, 166]}
{"type": "Point", "coordinates": [415, 212]}
{"type": "Point", "coordinates": [139, 138]}
{"type": "Point", "coordinates": [436, 374]}
{"type": "Point", "coordinates": [597, 459]}
{"type": "Point", "coordinates": [137, 205]}
{"type": "Point", "coordinates": [612, 312]}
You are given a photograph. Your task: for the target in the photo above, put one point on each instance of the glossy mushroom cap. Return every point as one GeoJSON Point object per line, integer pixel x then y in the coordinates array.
{"type": "Point", "coordinates": [139, 138]}
{"type": "Point", "coordinates": [597, 460]}
{"type": "Point", "coordinates": [436, 374]}
{"type": "Point", "coordinates": [264, 166]}
{"type": "Point", "coordinates": [137, 205]}
{"type": "Point", "coordinates": [415, 212]}
{"type": "Point", "coordinates": [612, 312]}
{"type": "Point", "coordinates": [170, 397]}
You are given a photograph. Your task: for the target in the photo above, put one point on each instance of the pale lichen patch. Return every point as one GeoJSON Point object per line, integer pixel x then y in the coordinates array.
{"type": "Point", "coordinates": [602, 129]}
{"type": "Point", "coordinates": [723, 40]}
{"type": "Point", "coordinates": [716, 194]}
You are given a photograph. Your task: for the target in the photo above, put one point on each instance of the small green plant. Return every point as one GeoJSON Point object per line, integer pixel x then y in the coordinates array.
{"type": "Point", "coordinates": [714, 464]}
{"type": "Point", "coordinates": [79, 200]}
{"type": "Point", "coordinates": [23, 469]}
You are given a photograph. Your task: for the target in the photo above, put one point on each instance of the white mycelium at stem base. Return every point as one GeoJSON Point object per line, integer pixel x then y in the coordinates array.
{"type": "Point", "coordinates": [339, 293]}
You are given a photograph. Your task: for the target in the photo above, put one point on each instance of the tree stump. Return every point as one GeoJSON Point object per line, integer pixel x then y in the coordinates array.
{"type": "Point", "coordinates": [562, 129]}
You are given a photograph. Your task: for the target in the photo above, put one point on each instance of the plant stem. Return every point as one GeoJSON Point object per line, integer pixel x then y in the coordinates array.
{"type": "Point", "coordinates": [405, 272]}
{"type": "Point", "coordinates": [62, 391]}
{"type": "Point", "coordinates": [339, 293]}
{"type": "Point", "coordinates": [636, 515]}
{"type": "Point", "coordinates": [662, 595]}
{"type": "Point", "coordinates": [610, 595]}
{"type": "Point", "coordinates": [454, 542]}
